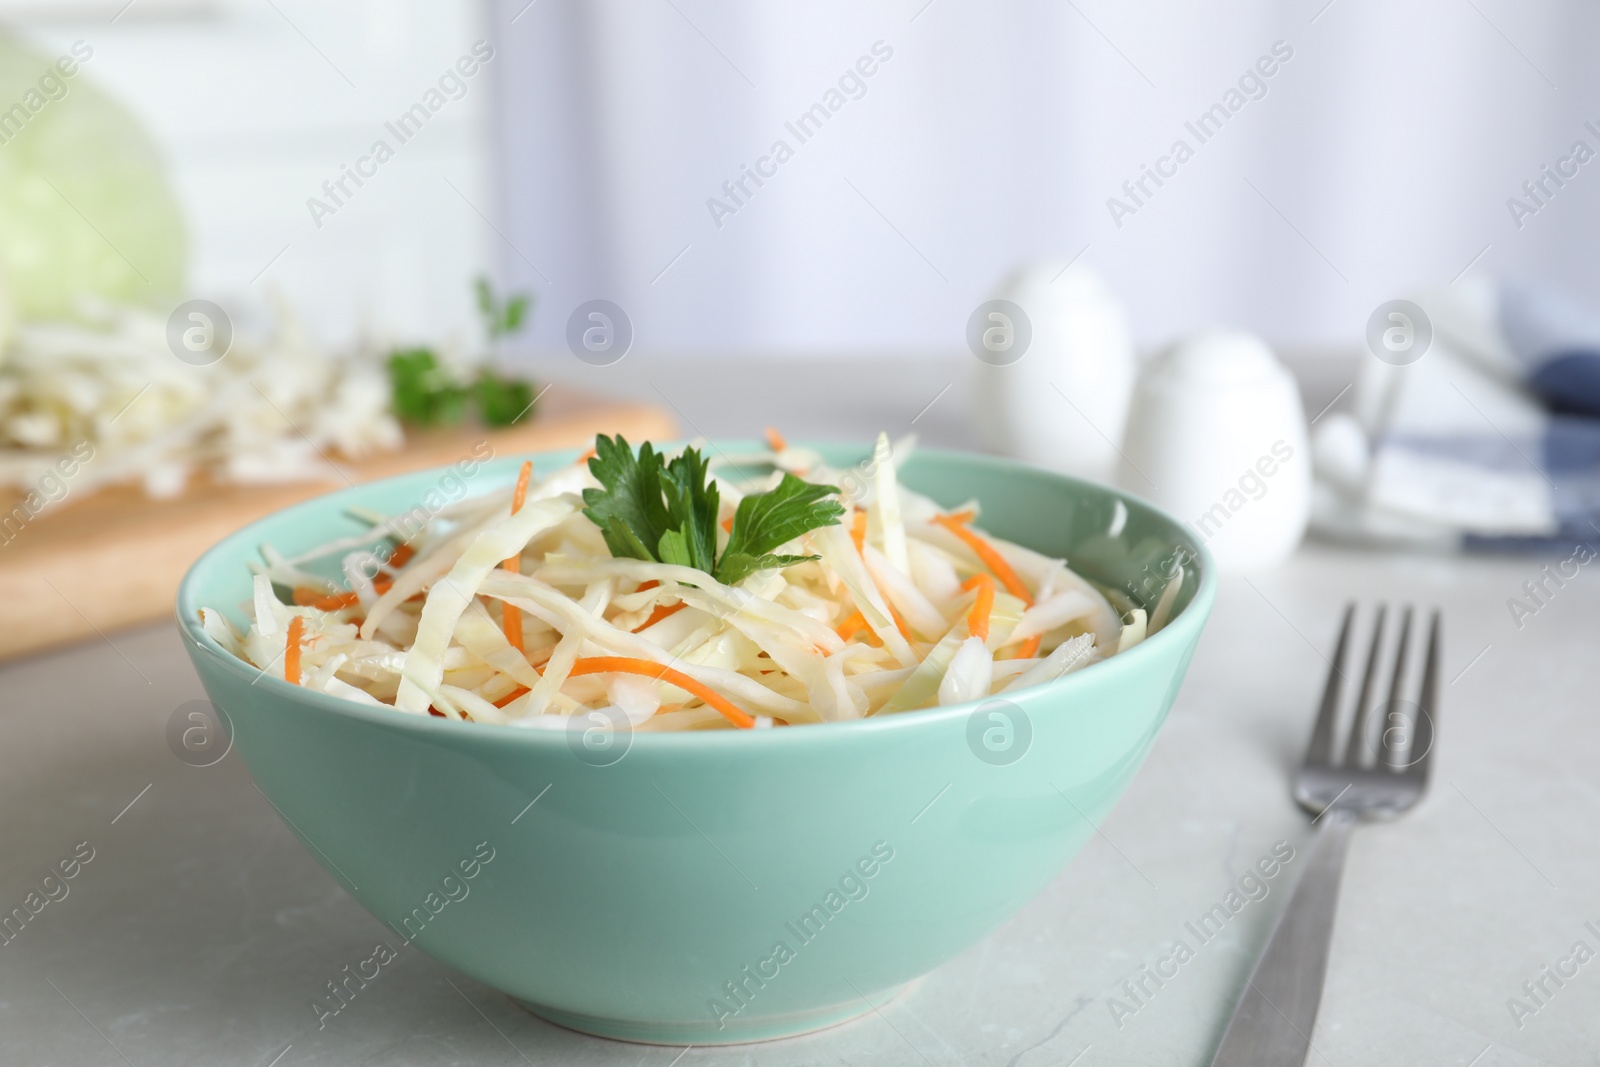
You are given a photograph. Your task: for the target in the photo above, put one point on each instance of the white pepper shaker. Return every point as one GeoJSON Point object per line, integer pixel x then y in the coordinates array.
{"type": "Point", "coordinates": [1055, 382]}
{"type": "Point", "coordinates": [1217, 436]}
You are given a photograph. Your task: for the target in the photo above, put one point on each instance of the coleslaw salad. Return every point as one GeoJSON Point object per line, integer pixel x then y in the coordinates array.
{"type": "Point", "coordinates": [515, 608]}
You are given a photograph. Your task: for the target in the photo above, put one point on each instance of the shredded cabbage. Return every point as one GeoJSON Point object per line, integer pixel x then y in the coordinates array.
{"type": "Point", "coordinates": [912, 618]}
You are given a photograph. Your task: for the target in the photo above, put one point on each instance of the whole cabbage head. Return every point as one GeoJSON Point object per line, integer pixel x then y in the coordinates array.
{"type": "Point", "coordinates": [85, 207]}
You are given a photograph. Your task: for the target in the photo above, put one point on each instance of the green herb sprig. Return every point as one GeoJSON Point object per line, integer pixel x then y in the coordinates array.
{"type": "Point", "coordinates": [666, 512]}
{"type": "Point", "coordinates": [424, 393]}
{"type": "Point", "coordinates": [501, 318]}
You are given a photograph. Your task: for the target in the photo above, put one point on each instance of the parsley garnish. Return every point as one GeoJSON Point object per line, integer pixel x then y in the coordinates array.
{"type": "Point", "coordinates": [665, 512]}
{"type": "Point", "coordinates": [426, 394]}
{"type": "Point", "coordinates": [422, 392]}
{"type": "Point", "coordinates": [502, 400]}
{"type": "Point", "coordinates": [500, 318]}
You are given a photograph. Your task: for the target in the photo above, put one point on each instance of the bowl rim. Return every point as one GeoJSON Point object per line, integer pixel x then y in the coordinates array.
{"type": "Point", "coordinates": [1184, 626]}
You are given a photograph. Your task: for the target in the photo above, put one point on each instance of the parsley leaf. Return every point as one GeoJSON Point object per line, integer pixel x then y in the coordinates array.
{"type": "Point", "coordinates": [422, 392]}
{"type": "Point", "coordinates": [501, 318]}
{"type": "Point", "coordinates": [629, 511]}
{"type": "Point", "coordinates": [502, 401]}
{"type": "Point", "coordinates": [667, 512]}
{"type": "Point", "coordinates": [764, 521]}
{"type": "Point", "coordinates": [692, 501]}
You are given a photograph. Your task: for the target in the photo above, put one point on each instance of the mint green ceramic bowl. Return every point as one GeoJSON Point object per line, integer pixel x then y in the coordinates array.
{"type": "Point", "coordinates": [714, 887]}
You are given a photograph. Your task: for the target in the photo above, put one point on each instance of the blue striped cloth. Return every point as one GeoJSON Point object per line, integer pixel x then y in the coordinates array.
{"type": "Point", "coordinates": [1558, 342]}
{"type": "Point", "coordinates": [1490, 440]}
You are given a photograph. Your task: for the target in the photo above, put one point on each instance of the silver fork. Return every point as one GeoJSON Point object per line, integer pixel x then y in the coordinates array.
{"type": "Point", "coordinates": [1364, 777]}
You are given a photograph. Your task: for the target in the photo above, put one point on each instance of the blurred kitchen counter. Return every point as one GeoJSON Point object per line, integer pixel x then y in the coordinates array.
{"type": "Point", "coordinates": [837, 398]}
{"type": "Point", "coordinates": [845, 398]}
{"type": "Point", "coordinates": [201, 930]}
{"type": "Point", "coordinates": [114, 557]}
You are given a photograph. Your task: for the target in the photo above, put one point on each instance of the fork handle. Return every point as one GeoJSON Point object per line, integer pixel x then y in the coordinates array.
{"type": "Point", "coordinates": [1271, 1027]}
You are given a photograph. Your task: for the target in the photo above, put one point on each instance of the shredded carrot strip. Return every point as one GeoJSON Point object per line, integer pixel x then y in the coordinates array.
{"type": "Point", "coordinates": [1029, 648]}
{"type": "Point", "coordinates": [727, 524]}
{"type": "Point", "coordinates": [858, 529]}
{"type": "Point", "coordinates": [851, 626]}
{"type": "Point", "coordinates": [651, 584]}
{"type": "Point", "coordinates": [899, 623]}
{"type": "Point", "coordinates": [520, 494]}
{"type": "Point", "coordinates": [629, 665]}
{"type": "Point", "coordinates": [587, 456]}
{"type": "Point", "coordinates": [986, 552]}
{"type": "Point", "coordinates": [511, 623]}
{"type": "Point", "coordinates": [509, 697]}
{"type": "Point", "coordinates": [383, 585]}
{"type": "Point", "coordinates": [982, 605]}
{"type": "Point", "coordinates": [775, 439]}
{"type": "Point", "coordinates": [855, 624]}
{"type": "Point", "coordinates": [510, 617]}
{"type": "Point", "coordinates": [310, 598]}
{"type": "Point", "coordinates": [401, 556]}
{"type": "Point", "coordinates": [291, 649]}
{"type": "Point", "coordinates": [661, 612]}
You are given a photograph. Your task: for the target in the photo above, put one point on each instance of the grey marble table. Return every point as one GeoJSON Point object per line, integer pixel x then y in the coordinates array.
{"type": "Point", "coordinates": [199, 931]}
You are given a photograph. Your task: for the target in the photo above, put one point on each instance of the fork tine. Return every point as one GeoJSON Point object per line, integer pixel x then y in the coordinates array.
{"type": "Point", "coordinates": [1355, 751]}
{"type": "Point", "coordinates": [1428, 703]}
{"type": "Point", "coordinates": [1320, 752]}
{"type": "Point", "coordinates": [1391, 754]}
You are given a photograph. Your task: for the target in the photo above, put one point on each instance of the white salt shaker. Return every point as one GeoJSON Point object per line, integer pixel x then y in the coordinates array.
{"type": "Point", "coordinates": [1217, 436]}
{"type": "Point", "coordinates": [1054, 385]}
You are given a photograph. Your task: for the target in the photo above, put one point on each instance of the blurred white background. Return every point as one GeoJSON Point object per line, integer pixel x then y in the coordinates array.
{"type": "Point", "coordinates": [579, 164]}
{"type": "Point", "coordinates": [257, 103]}
{"type": "Point", "coordinates": [1380, 159]}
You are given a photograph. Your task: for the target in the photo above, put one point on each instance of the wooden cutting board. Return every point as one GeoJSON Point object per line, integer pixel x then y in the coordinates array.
{"type": "Point", "coordinates": [113, 559]}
